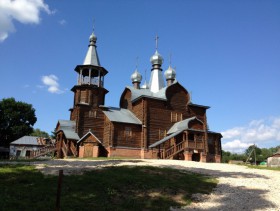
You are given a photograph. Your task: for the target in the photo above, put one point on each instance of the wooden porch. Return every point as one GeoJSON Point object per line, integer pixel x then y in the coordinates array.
{"type": "Point", "coordinates": [172, 145]}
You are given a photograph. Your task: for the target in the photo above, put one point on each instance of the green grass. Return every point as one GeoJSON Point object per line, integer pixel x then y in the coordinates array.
{"type": "Point", "coordinates": [111, 188]}
{"type": "Point", "coordinates": [264, 167]}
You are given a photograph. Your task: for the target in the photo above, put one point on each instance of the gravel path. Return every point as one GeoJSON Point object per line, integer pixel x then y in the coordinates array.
{"type": "Point", "coordinates": [239, 188]}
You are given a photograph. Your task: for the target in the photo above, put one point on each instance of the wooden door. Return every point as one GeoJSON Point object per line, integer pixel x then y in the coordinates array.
{"type": "Point", "coordinates": [88, 150]}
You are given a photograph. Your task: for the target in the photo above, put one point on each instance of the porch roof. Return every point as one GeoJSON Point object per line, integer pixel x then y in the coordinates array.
{"type": "Point", "coordinates": [68, 128]}
{"type": "Point", "coordinates": [165, 139]}
{"type": "Point", "coordinates": [182, 125]}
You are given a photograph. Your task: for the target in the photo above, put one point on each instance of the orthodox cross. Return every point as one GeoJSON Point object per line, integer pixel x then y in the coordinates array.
{"type": "Point", "coordinates": [137, 58]}
{"type": "Point", "coordinates": [93, 24]}
{"type": "Point", "coordinates": [170, 55]}
{"type": "Point", "coordinates": [156, 41]}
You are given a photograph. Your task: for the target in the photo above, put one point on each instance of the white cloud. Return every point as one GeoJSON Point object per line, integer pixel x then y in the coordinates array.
{"type": "Point", "coordinates": [24, 11]}
{"type": "Point", "coordinates": [236, 146]}
{"type": "Point", "coordinates": [62, 22]}
{"type": "Point", "coordinates": [259, 132]}
{"type": "Point", "coordinates": [51, 81]}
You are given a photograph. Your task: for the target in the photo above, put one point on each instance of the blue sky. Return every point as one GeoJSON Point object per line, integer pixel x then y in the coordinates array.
{"type": "Point", "coordinates": [226, 53]}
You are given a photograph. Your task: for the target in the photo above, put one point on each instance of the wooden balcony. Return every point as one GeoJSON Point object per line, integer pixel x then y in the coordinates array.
{"type": "Point", "coordinates": [194, 145]}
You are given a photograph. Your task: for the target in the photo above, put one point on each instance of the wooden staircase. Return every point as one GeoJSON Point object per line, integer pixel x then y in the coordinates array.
{"type": "Point", "coordinates": [43, 151]}
{"type": "Point", "coordinates": [173, 150]}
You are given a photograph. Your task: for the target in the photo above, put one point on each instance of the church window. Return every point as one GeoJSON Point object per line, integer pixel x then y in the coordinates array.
{"type": "Point", "coordinates": [176, 117]}
{"type": "Point", "coordinates": [83, 98]}
{"type": "Point", "coordinates": [128, 132]}
{"type": "Point", "coordinates": [210, 140]}
{"type": "Point", "coordinates": [161, 133]}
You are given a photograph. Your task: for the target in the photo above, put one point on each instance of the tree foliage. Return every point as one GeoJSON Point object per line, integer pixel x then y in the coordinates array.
{"type": "Point", "coordinates": [261, 154]}
{"type": "Point", "coordinates": [39, 133]}
{"type": "Point", "coordinates": [16, 120]}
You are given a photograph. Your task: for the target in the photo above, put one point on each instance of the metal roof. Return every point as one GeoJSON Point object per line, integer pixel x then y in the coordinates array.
{"type": "Point", "coordinates": [67, 124]}
{"type": "Point", "coordinates": [68, 128]}
{"type": "Point", "coordinates": [139, 93]}
{"type": "Point", "coordinates": [165, 139]}
{"type": "Point", "coordinates": [121, 115]}
{"type": "Point", "coordinates": [27, 140]}
{"type": "Point", "coordinates": [71, 134]}
{"type": "Point", "coordinates": [182, 125]}
{"type": "Point", "coordinates": [175, 130]}
{"type": "Point", "coordinates": [156, 81]}
{"type": "Point", "coordinates": [92, 56]}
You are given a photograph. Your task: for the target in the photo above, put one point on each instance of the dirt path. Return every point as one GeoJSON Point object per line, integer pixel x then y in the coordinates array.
{"type": "Point", "coordinates": [239, 188]}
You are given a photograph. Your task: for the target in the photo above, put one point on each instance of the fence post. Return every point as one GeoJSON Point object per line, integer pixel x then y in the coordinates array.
{"type": "Point", "coordinates": [58, 193]}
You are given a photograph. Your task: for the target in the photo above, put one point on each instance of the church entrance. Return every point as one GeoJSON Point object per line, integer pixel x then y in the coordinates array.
{"type": "Point", "coordinates": [88, 150]}
{"type": "Point", "coordinates": [196, 157]}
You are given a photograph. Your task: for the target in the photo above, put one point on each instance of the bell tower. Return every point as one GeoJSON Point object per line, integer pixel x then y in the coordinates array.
{"type": "Point", "coordinates": [89, 92]}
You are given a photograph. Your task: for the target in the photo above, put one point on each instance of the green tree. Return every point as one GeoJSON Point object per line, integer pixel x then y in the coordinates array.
{"type": "Point", "coordinates": [39, 133]}
{"type": "Point", "coordinates": [252, 150]}
{"type": "Point", "coordinates": [253, 147]}
{"type": "Point", "coordinates": [16, 120]}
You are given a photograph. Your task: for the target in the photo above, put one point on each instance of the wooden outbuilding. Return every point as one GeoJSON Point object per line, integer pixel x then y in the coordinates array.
{"type": "Point", "coordinates": [155, 120]}
{"type": "Point", "coordinates": [274, 160]}
{"type": "Point", "coordinates": [28, 147]}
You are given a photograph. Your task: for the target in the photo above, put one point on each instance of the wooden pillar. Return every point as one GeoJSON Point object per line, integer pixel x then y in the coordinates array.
{"type": "Point", "coordinates": [99, 79]}
{"type": "Point", "coordinates": [89, 76]}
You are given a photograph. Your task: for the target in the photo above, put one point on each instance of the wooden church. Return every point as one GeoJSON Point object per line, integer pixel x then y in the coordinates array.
{"type": "Point", "coordinates": [153, 121]}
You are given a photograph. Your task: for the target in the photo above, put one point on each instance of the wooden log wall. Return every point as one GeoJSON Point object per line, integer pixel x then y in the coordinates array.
{"type": "Point", "coordinates": [107, 134]}
{"type": "Point", "coordinates": [122, 136]}
{"type": "Point", "coordinates": [91, 119]}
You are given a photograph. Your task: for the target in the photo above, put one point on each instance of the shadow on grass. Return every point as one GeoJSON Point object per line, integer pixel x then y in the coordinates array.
{"type": "Point", "coordinates": [74, 166]}
{"type": "Point", "coordinates": [109, 188]}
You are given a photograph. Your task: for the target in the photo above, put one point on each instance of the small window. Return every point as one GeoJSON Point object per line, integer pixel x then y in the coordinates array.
{"type": "Point", "coordinates": [128, 132]}
{"type": "Point", "coordinates": [28, 152]}
{"type": "Point", "coordinates": [83, 98]}
{"type": "Point", "coordinates": [176, 117]}
{"type": "Point", "coordinates": [18, 152]}
{"type": "Point", "coordinates": [173, 117]}
{"type": "Point", "coordinates": [161, 133]}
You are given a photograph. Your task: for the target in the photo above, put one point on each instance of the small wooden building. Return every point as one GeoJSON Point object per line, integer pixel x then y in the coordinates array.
{"type": "Point", "coordinates": [274, 160]}
{"type": "Point", "coordinates": [30, 147]}
{"type": "Point", "coordinates": [155, 120]}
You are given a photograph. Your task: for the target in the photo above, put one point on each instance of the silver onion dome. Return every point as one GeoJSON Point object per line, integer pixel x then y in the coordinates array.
{"type": "Point", "coordinates": [92, 37]}
{"type": "Point", "coordinates": [136, 77]}
{"type": "Point", "coordinates": [170, 73]}
{"type": "Point", "coordinates": [156, 58]}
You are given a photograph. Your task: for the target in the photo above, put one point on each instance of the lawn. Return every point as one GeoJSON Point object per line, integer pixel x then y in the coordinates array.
{"type": "Point", "coordinates": [110, 188]}
{"type": "Point", "coordinates": [263, 167]}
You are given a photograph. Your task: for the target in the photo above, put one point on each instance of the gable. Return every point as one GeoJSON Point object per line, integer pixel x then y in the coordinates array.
{"type": "Point", "coordinates": [177, 97]}
{"type": "Point", "coordinates": [190, 123]}
{"type": "Point", "coordinates": [125, 100]}
{"type": "Point", "coordinates": [89, 138]}
{"type": "Point", "coordinates": [196, 125]}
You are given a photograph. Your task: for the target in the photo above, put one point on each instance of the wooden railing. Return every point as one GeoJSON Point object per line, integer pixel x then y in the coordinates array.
{"type": "Point", "coordinates": [43, 151]}
{"type": "Point", "coordinates": [64, 149]}
{"type": "Point", "coordinates": [194, 145]}
{"type": "Point", "coordinates": [73, 149]}
{"type": "Point", "coordinates": [173, 150]}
